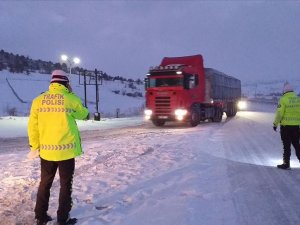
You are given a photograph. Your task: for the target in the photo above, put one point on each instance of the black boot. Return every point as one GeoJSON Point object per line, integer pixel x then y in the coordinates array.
{"type": "Point", "coordinates": [70, 221]}
{"type": "Point", "coordinates": [284, 166]}
{"type": "Point", "coordinates": [43, 221]}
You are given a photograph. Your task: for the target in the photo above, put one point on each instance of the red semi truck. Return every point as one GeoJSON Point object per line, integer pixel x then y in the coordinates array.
{"type": "Point", "coordinates": [181, 89]}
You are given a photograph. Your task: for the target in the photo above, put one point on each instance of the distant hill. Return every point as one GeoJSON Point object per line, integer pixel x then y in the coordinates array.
{"type": "Point", "coordinates": [16, 63]}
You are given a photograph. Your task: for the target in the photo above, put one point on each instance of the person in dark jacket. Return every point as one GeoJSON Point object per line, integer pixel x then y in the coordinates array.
{"type": "Point", "coordinates": [288, 117]}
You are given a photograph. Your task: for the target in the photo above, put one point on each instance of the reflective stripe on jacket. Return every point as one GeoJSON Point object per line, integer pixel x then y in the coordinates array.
{"type": "Point", "coordinates": [52, 127]}
{"type": "Point", "coordinates": [288, 110]}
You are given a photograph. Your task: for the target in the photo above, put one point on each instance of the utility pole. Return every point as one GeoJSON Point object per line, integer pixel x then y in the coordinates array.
{"type": "Point", "coordinates": [92, 74]}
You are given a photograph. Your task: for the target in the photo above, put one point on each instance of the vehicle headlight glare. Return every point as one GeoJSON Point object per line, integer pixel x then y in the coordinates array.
{"type": "Point", "coordinates": [180, 112]}
{"type": "Point", "coordinates": [242, 105]}
{"type": "Point", "coordinates": [180, 118]}
{"type": "Point", "coordinates": [148, 112]}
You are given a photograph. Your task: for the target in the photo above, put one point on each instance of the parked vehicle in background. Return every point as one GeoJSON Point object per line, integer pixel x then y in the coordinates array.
{"type": "Point", "coordinates": [181, 89]}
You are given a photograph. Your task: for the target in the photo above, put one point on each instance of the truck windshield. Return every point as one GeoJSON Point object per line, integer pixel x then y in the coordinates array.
{"type": "Point", "coordinates": [165, 82]}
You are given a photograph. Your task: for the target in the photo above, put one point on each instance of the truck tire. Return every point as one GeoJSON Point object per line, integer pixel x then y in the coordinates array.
{"type": "Point", "coordinates": [218, 115]}
{"type": "Point", "coordinates": [158, 123]}
{"type": "Point", "coordinates": [231, 110]}
{"type": "Point", "coordinates": [232, 114]}
{"type": "Point", "coordinates": [194, 118]}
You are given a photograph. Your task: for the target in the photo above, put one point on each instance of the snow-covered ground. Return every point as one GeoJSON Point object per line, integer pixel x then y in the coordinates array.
{"type": "Point", "coordinates": [133, 173]}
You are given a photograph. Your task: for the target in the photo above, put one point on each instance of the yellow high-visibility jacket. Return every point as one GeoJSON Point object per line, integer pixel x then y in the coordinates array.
{"type": "Point", "coordinates": [52, 128]}
{"type": "Point", "coordinates": [288, 110]}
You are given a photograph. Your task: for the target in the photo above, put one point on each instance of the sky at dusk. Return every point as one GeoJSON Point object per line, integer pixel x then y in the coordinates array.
{"type": "Point", "coordinates": [251, 40]}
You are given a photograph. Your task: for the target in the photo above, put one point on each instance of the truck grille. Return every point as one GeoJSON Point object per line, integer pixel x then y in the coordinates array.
{"type": "Point", "coordinates": [162, 106]}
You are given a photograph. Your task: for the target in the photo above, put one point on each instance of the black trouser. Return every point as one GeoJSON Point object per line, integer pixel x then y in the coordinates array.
{"type": "Point", "coordinates": [290, 135]}
{"type": "Point", "coordinates": [48, 171]}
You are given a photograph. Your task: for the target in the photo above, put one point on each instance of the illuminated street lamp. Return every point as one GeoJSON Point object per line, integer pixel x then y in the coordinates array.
{"type": "Point", "coordinates": [70, 62]}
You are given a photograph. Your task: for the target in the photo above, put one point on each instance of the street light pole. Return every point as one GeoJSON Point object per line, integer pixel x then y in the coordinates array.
{"type": "Point", "coordinates": [75, 60]}
{"type": "Point", "coordinates": [70, 62]}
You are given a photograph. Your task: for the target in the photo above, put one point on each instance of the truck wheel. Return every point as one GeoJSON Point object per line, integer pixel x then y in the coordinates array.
{"type": "Point", "coordinates": [232, 110]}
{"type": "Point", "coordinates": [231, 114]}
{"type": "Point", "coordinates": [158, 123]}
{"type": "Point", "coordinates": [218, 115]}
{"type": "Point", "coordinates": [194, 118]}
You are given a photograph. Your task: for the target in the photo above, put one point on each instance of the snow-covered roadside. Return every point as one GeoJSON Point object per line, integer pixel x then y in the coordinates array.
{"type": "Point", "coordinates": [212, 174]}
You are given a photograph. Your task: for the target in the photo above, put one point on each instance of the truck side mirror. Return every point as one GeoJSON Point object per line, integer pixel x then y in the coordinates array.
{"type": "Point", "coordinates": [192, 81]}
{"type": "Point", "coordinates": [146, 83]}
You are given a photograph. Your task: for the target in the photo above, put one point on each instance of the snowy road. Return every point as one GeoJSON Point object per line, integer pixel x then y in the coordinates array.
{"type": "Point", "coordinates": [212, 174]}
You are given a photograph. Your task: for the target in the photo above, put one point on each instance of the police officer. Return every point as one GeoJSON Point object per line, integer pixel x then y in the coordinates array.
{"type": "Point", "coordinates": [288, 116]}
{"type": "Point", "coordinates": [53, 134]}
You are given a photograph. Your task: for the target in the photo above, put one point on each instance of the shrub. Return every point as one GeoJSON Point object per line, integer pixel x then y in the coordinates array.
{"type": "Point", "coordinates": [11, 111]}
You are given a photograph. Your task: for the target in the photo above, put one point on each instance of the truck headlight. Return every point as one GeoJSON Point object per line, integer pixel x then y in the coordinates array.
{"type": "Point", "coordinates": [242, 105]}
{"type": "Point", "coordinates": [180, 113]}
{"type": "Point", "coordinates": [148, 113]}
